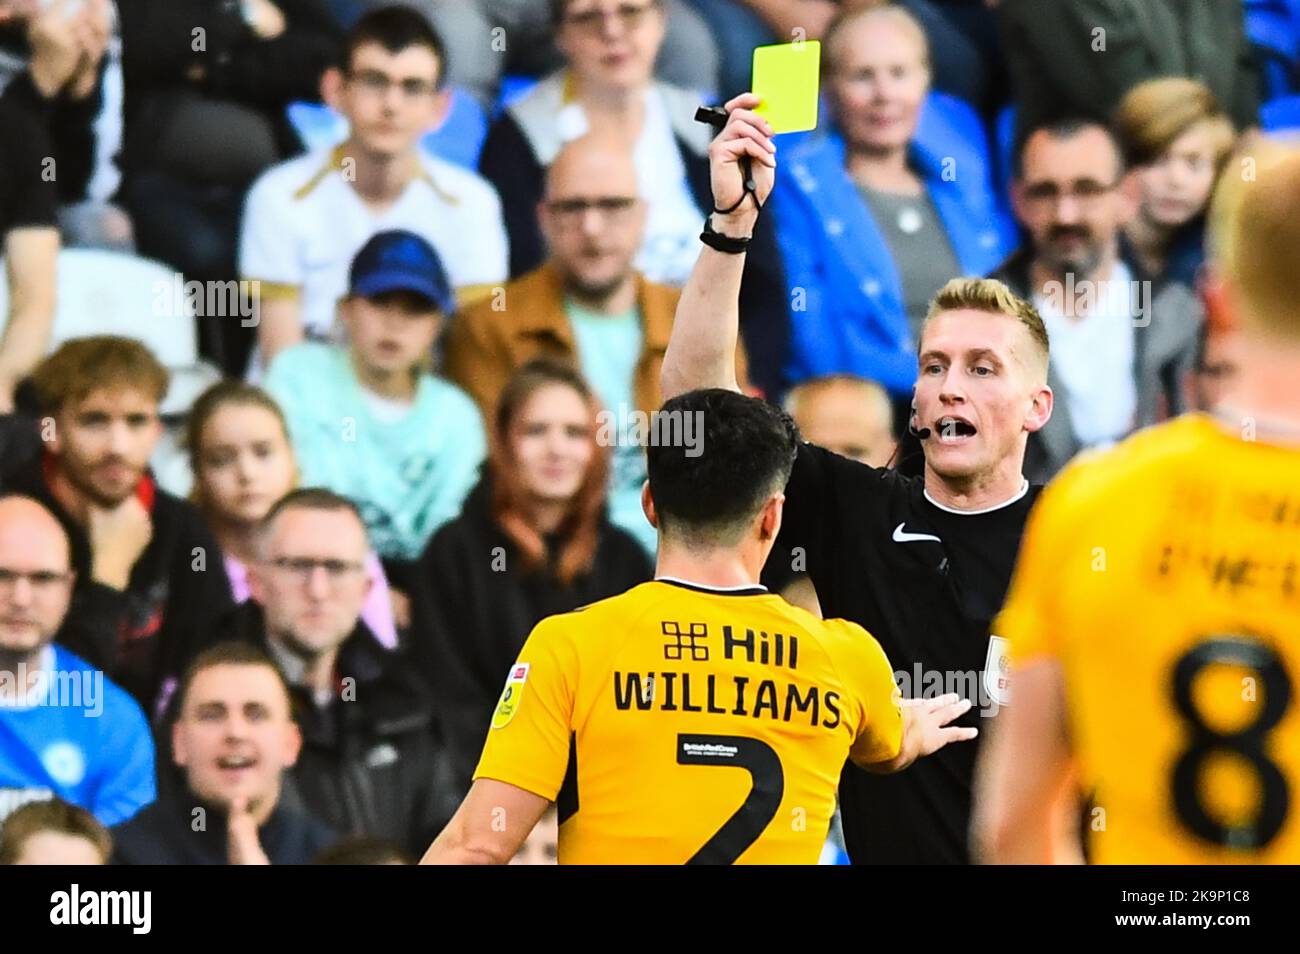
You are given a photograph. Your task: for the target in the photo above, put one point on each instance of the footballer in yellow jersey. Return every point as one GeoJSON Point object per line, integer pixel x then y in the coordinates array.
{"type": "Point", "coordinates": [696, 718]}
{"type": "Point", "coordinates": [1163, 578]}
{"type": "Point", "coordinates": [1154, 615]}
{"type": "Point", "coordinates": [695, 725]}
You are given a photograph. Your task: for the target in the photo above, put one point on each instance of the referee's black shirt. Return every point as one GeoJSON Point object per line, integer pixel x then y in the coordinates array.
{"type": "Point", "coordinates": [929, 603]}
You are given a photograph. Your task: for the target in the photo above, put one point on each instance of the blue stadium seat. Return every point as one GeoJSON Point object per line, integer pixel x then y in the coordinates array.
{"type": "Point", "coordinates": [1004, 134]}
{"type": "Point", "coordinates": [1273, 27]}
{"type": "Point", "coordinates": [316, 124]}
{"type": "Point", "coordinates": [513, 88]}
{"type": "Point", "coordinates": [1281, 115]}
{"type": "Point", "coordinates": [460, 138]}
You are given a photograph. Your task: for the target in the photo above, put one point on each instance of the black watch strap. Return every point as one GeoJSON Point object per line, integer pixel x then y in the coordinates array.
{"type": "Point", "coordinates": [723, 243]}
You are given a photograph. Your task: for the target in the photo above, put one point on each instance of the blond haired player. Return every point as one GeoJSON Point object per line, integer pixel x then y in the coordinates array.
{"type": "Point", "coordinates": [1154, 616]}
{"type": "Point", "coordinates": [697, 718]}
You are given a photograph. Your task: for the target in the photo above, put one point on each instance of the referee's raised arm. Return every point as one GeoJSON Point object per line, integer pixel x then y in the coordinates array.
{"type": "Point", "coordinates": [702, 350]}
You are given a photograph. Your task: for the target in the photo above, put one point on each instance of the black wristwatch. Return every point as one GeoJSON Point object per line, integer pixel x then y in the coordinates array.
{"type": "Point", "coordinates": [723, 243]}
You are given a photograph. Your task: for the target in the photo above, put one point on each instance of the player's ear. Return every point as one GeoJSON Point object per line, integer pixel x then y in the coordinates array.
{"type": "Point", "coordinates": [1216, 295]}
{"type": "Point", "coordinates": [1039, 410]}
{"type": "Point", "coordinates": [769, 519]}
{"type": "Point", "coordinates": [648, 505]}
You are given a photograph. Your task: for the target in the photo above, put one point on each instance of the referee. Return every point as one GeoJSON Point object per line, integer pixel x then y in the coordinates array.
{"type": "Point", "coordinates": [923, 563]}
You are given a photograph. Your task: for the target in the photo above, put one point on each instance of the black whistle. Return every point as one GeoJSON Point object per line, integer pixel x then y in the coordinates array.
{"type": "Point", "coordinates": [716, 117]}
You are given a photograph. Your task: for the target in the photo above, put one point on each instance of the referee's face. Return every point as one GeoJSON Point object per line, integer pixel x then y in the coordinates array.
{"type": "Point", "coordinates": [975, 392]}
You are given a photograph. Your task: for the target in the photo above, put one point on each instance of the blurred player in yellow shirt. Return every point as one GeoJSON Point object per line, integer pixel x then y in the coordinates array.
{"type": "Point", "coordinates": [1154, 616]}
{"type": "Point", "coordinates": [697, 718]}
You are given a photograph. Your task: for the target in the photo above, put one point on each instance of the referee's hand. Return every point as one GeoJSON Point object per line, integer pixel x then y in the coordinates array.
{"type": "Point", "coordinates": [928, 719]}
{"type": "Point", "coordinates": [746, 135]}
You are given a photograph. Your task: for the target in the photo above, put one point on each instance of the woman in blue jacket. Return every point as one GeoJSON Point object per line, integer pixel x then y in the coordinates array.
{"type": "Point", "coordinates": [876, 214]}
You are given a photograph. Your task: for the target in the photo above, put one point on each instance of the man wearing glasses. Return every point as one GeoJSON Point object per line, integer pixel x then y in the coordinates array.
{"type": "Point", "coordinates": [587, 305]}
{"type": "Point", "coordinates": [65, 730]}
{"type": "Point", "coordinates": [305, 219]}
{"type": "Point", "coordinates": [370, 763]}
{"type": "Point", "coordinates": [1119, 352]}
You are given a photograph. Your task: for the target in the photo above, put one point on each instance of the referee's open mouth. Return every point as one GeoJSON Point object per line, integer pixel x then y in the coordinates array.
{"type": "Point", "coordinates": [952, 429]}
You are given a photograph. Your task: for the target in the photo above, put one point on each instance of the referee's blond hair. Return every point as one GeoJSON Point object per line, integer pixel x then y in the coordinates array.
{"type": "Point", "coordinates": [992, 296]}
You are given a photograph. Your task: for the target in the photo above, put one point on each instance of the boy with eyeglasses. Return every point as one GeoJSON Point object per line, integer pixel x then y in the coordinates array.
{"type": "Point", "coordinates": [65, 730]}
{"type": "Point", "coordinates": [305, 219]}
{"type": "Point", "coordinates": [370, 763]}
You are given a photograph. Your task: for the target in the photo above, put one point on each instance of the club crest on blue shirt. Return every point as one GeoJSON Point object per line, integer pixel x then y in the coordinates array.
{"type": "Point", "coordinates": [65, 762]}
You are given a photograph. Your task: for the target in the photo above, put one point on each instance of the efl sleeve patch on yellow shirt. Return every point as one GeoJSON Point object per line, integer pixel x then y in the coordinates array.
{"type": "Point", "coordinates": [511, 696]}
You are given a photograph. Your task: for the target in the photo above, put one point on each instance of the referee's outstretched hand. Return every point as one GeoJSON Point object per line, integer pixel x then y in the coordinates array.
{"type": "Point", "coordinates": [928, 719]}
{"type": "Point", "coordinates": [746, 134]}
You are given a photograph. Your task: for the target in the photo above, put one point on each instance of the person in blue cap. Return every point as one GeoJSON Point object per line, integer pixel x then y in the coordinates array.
{"type": "Point", "coordinates": [367, 418]}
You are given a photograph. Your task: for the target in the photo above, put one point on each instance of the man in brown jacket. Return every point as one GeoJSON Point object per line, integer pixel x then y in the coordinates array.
{"type": "Point", "coordinates": [587, 305]}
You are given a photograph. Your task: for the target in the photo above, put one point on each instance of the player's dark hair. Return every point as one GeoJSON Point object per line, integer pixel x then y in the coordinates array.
{"type": "Point", "coordinates": [1066, 127]}
{"type": "Point", "coordinates": [396, 28]}
{"type": "Point", "coordinates": [714, 457]}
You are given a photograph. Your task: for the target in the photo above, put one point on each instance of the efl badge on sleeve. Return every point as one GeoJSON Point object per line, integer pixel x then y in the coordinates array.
{"type": "Point", "coordinates": [511, 696]}
{"type": "Point", "coordinates": [997, 670]}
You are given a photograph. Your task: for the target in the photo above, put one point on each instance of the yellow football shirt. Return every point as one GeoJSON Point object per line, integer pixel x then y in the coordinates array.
{"type": "Point", "coordinates": [674, 723]}
{"type": "Point", "coordinates": [1164, 575]}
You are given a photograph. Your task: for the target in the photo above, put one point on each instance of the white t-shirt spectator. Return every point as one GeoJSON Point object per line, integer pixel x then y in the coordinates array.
{"type": "Point", "coordinates": [1094, 357]}
{"type": "Point", "coordinates": [304, 222]}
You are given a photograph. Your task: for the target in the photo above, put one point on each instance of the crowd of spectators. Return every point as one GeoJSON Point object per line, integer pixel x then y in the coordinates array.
{"type": "Point", "coordinates": [427, 440]}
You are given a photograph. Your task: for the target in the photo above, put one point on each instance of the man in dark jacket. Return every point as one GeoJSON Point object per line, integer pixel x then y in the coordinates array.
{"type": "Point", "coordinates": [1122, 343]}
{"type": "Point", "coordinates": [370, 763]}
{"type": "Point", "coordinates": [233, 741]}
{"type": "Point", "coordinates": [1079, 57]}
{"type": "Point", "coordinates": [149, 575]}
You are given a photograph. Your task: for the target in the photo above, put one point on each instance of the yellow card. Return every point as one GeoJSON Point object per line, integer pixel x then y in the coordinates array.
{"type": "Point", "coordinates": [787, 78]}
